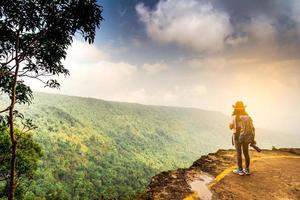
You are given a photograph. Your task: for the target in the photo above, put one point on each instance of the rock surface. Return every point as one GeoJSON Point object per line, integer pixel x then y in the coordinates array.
{"type": "Point", "coordinates": [275, 173]}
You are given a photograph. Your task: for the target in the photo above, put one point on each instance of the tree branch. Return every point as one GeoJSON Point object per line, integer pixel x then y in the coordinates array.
{"type": "Point", "coordinates": [6, 63]}
{"type": "Point", "coordinates": [5, 110]}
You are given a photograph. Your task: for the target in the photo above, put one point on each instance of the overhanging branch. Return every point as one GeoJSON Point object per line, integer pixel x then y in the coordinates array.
{"type": "Point", "coordinates": [5, 110]}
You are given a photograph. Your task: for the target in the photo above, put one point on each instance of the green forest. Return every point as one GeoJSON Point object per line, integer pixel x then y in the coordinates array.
{"type": "Point", "coordinates": [96, 149]}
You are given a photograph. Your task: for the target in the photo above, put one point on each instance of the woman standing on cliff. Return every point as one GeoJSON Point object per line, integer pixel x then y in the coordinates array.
{"type": "Point", "coordinates": [239, 114]}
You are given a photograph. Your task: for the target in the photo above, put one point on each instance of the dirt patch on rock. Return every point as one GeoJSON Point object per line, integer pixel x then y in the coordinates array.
{"type": "Point", "coordinates": [276, 178]}
{"type": "Point", "coordinates": [276, 174]}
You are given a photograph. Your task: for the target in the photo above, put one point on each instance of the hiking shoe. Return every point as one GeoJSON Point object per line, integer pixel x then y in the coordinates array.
{"type": "Point", "coordinates": [238, 171]}
{"type": "Point", "coordinates": [247, 171]}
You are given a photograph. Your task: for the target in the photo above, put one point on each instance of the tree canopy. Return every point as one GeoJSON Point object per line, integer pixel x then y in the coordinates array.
{"type": "Point", "coordinates": [34, 37]}
{"type": "Point", "coordinates": [43, 30]}
{"type": "Point", "coordinates": [29, 153]}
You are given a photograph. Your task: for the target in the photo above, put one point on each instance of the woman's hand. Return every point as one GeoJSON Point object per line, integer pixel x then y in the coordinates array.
{"type": "Point", "coordinates": [231, 126]}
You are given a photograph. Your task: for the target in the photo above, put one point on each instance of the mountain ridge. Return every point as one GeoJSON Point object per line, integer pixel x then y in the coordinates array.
{"type": "Point", "coordinates": [130, 103]}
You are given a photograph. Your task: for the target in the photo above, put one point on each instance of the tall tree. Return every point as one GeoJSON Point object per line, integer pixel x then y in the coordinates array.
{"type": "Point", "coordinates": [34, 37]}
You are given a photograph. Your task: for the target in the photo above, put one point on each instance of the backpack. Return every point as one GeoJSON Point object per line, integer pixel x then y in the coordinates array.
{"type": "Point", "coordinates": [247, 130]}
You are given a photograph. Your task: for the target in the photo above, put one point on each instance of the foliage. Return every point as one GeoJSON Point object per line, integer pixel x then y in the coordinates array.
{"type": "Point", "coordinates": [94, 148]}
{"type": "Point", "coordinates": [34, 37]}
{"type": "Point", "coordinates": [36, 34]}
{"type": "Point", "coordinates": [28, 154]}
{"type": "Point", "coordinates": [44, 30]}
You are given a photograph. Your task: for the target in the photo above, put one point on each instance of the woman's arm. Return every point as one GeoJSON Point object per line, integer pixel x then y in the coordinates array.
{"type": "Point", "coordinates": [232, 124]}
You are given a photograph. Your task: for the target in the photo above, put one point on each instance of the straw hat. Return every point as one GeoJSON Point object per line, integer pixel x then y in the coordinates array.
{"type": "Point", "coordinates": [239, 105]}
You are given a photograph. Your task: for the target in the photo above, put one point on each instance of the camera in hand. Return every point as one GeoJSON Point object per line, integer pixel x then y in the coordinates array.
{"type": "Point", "coordinates": [253, 145]}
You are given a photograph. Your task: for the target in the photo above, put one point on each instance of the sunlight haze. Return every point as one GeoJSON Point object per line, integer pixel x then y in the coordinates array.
{"type": "Point", "coordinates": [188, 53]}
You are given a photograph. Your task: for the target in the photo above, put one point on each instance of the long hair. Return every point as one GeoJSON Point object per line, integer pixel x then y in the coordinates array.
{"type": "Point", "coordinates": [239, 112]}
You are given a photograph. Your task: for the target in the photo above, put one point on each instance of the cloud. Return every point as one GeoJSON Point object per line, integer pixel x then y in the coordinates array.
{"type": "Point", "coordinates": [102, 74]}
{"type": "Point", "coordinates": [258, 30]}
{"type": "Point", "coordinates": [197, 91]}
{"type": "Point", "coordinates": [228, 27]}
{"type": "Point", "coordinates": [237, 40]}
{"type": "Point", "coordinates": [261, 28]}
{"type": "Point", "coordinates": [295, 10]}
{"type": "Point", "coordinates": [190, 23]}
{"type": "Point", "coordinates": [96, 76]}
{"type": "Point", "coordinates": [92, 73]}
{"type": "Point", "coordinates": [82, 52]}
{"type": "Point", "coordinates": [182, 94]}
{"type": "Point", "coordinates": [213, 62]}
{"type": "Point", "coordinates": [155, 68]}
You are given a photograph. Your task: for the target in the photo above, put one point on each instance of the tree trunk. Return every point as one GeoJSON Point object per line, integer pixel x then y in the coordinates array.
{"type": "Point", "coordinates": [12, 177]}
{"type": "Point", "coordinates": [12, 181]}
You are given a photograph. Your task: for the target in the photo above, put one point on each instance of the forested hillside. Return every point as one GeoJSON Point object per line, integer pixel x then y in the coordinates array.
{"type": "Point", "coordinates": [93, 147]}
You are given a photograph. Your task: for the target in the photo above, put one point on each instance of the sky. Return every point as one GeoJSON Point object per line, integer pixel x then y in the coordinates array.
{"type": "Point", "coordinates": [194, 53]}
